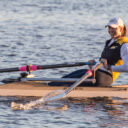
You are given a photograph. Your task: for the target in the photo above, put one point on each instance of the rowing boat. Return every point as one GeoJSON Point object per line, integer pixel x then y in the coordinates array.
{"type": "Point", "coordinates": [39, 89]}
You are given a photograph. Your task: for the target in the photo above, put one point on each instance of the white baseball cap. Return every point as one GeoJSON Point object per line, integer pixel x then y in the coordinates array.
{"type": "Point", "coordinates": [115, 22]}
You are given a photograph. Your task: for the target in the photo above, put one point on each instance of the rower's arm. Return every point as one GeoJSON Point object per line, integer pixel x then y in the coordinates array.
{"type": "Point", "coordinates": [124, 55]}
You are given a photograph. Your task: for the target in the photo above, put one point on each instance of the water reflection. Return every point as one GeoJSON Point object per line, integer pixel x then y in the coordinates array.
{"type": "Point", "coordinates": [108, 112]}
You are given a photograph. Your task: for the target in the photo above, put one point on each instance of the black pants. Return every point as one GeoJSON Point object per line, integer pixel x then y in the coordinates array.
{"type": "Point", "coordinates": [102, 78]}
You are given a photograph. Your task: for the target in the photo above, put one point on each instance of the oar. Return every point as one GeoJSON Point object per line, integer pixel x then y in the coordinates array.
{"type": "Point", "coordinates": [30, 68]}
{"type": "Point", "coordinates": [55, 95]}
{"type": "Point", "coordinates": [89, 73]}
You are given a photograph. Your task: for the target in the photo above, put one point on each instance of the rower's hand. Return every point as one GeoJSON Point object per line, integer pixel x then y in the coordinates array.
{"type": "Point", "coordinates": [91, 63]}
{"type": "Point", "coordinates": [105, 64]}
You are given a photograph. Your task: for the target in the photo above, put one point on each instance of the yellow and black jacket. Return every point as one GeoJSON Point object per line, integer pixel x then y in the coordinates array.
{"type": "Point", "coordinates": [112, 53]}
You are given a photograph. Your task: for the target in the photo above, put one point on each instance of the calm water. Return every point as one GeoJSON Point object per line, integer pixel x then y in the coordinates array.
{"type": "Point", "coordinates": [57, 31]}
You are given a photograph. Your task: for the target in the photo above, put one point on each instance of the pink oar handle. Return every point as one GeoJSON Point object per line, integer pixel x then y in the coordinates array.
{"type": "Point", "coordinates": [90, 72]}
{"type": "Point", "coordinates": [24, 68]}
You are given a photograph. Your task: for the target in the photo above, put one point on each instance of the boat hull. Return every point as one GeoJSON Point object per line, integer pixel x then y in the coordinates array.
{"type": "Point", "coordinates": [40, 89]}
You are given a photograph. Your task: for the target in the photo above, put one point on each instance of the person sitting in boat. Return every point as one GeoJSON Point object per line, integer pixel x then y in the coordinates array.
{"type": "Point", "coordinates": [114, 55]}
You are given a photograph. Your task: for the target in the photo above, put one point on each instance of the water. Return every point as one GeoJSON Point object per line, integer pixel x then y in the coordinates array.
{"type": "Point", "coordinates": [57, 31]}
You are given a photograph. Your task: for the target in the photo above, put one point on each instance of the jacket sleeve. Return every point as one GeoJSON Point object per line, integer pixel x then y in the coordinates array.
{"type": "Point", "coordinates": [124, 56]}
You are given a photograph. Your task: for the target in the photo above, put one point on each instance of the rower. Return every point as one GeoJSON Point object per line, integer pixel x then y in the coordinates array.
{"type": "Point", "coordinates": [114, 55]}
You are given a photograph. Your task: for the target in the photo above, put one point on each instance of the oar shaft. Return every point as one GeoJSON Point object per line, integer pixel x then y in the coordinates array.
{"type": "Point", "coordinates": [62, 65]}
{"type": "Point", "coordinates": [83, 78]}
{"type": "Point", "coordinates": [9, 70]}
{"type": "Point", "coordinates": [41, 67]}
{"type": "Point", "coordinates": [78, 82]}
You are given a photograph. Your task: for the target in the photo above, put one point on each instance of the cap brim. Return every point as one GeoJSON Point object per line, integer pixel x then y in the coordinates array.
{"type": "Point", "coordinates": [112, 25]}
